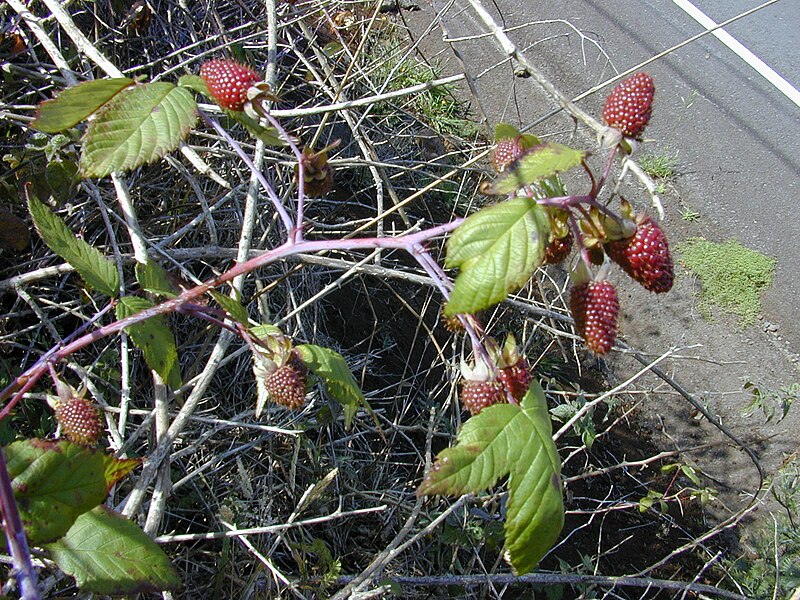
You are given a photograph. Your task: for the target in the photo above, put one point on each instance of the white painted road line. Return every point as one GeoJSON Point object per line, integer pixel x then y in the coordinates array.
{"type": "Point", "coordinates": [741, 51]}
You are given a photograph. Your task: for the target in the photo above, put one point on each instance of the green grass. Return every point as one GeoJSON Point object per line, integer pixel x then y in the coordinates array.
{"type": "Point", "coordinates": [659, 166]}
{"type": "Point", "coordinates": [731, 275]}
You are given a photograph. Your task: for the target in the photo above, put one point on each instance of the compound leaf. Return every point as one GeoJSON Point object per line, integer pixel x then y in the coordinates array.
{"type": "Point", "coordinates": [75, 104]}
{"type": "Point", "coordinates": [497, 250]}
{"type": "Point", "coordinates": [539, 162]}
{"type": "Point", "coordinates": [154, 338]}
{"type": "Point", "coordinates": [136, 127]}
{"type": "Point", "coordinates": [506, 439]}
{"type": "Point", "coordinates": [331, 367]}
{"type": "Point", "coordinates": [108, 554]}
{"type": "Point", "coordinates": [54, 482]}
{"type": "Point", "coordinates": [97, 270]}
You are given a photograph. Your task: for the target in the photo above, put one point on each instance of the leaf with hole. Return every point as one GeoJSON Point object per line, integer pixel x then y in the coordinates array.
{"type": "Point", "coordinates": [77, 103]}
{"type": "Point", "coordinates": [497, 249]}
{"type": "Point", "coordinates": [331, 367]}
{"type": "Point", "coordinates": [154, 338]}
{"type": "Point", "coordinates": [514, 440]}
{"type": "Point", "coordinates": [136, 127]}
{"type": "Point", "coordinates": [54, 482]}
{"type": "Point", "coordinates": [97, 270]}
{"type": "Point", "coordinates": [108, 554]}
{"type": "Point", "coordinates": [539, 162]}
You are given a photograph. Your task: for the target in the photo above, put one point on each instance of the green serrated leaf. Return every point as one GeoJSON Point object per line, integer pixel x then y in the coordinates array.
{"type": "Point", "coordinates": [75, 104]}
{"type": "Point", "coordinates": [54, 482]}
{"type": "Point", "coordinates": [231, 306]}
{"type": "Point", "coordinates": [331, 367]}
{"type": "Point", "coordinates": [504, 131]}
{"type": "Point", "coordinates": [136, 127]}
{"type": "Point", "coordinates": [196, 83]}
{"type": "Point", "coordinates": [154, 338]}
{"type": "Point", "coordinates": [108, 554]}
{"type": "Point", "coordinates": [97, 270]}
{"type": "Point", "coordinates": [505, 439]}
{"type": "Point", "coordinates": [497, 250]}
{"type": "Point", "coordinates": [540, 162]}
{"type": "Point", "coordinates": [154, 279]}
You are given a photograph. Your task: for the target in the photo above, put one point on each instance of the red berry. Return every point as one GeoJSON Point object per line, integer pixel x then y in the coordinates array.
{"type": "Point", "coordinates": [595, 308]}
{"type": "Point", "coordinates": [79, 420]}
{"type": "Point", "coordinates": [506, 152]}
{"type": "Point", "coordinates": [645, 256]}
{"type": "Point", "coordinates": [287, 384]}
{"type": "Point", "coordinates": [477, 395]}
{"type": "Point", "coordinates": [558, 249]}
{"type": "Point", "coordinates": [628, 106]}
{"type": "Point", "coordinates": [228, 82]}
{"type": "Point", "coordinates": [516, 378]}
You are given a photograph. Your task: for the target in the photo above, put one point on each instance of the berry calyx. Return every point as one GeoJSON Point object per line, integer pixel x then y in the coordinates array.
{"type": "Point", "coordinates": [629, 105]}
{"type": "Point", "coordinates": [645, 256]}
{"type": "Point", "coordinates": [228, 81]}
{"type": "Point", "coordinates": [287, 384]}
{"type": "Point", "coordinates": [595, 307]}
{"type": "Point", "coordinates": [79, 420]}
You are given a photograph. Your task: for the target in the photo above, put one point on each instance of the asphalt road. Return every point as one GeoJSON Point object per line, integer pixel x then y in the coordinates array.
{"type": "Point", "coordinates": [736, 136]}
{"type": "Point", "coordinates": [738, 160]}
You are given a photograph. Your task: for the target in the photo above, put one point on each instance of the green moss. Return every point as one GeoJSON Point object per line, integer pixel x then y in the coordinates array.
{"type": "Point", "coordinates": [731, 275]}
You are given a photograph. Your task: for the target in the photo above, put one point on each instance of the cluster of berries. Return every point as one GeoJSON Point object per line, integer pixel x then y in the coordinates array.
{"type": "Point", "coordinates": [636, 243]}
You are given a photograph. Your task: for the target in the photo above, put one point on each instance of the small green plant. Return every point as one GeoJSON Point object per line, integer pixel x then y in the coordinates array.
{"type": "Point", "coordinates": [732, 276]}
{"type": "Point", "coordinates": [689, 215]}
{"type": "Point", "coordinates": [768, 565]}
{"type": "Point", "coordinates": [659, 166]}
{"type": "Point", "coordinates": [770, 401]}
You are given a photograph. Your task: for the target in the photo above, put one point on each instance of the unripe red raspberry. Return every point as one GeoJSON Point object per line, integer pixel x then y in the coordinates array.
{"type": "Point", "coordinates": [287, 384]}
{"type": "Point", "coordinates": [477, 395]}
{"type": "Point", "coordinates": [228, 82]}
{"type": "Point", "coordinates": [629, 105]}
{"type": "Point", "coordinates": [645, 256]}
{"type": "Point", "coordinates": [558, 249]}
{"type": "Point", "coordinates": [79, 420]}
{"type": "Point", "coordinates": [506, 152]}
{"type": "Point", "coordinates": [595, 307]}
{"type": "Point", "coordinates": [516, 378]}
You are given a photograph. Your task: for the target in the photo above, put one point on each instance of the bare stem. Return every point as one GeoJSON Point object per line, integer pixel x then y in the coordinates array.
{"type": "Point", "coordinates": [407, 242]}
{"type": "Point", "coordinates": [276, 202]}
{"type": "Point", "coordinates": [15, 534]}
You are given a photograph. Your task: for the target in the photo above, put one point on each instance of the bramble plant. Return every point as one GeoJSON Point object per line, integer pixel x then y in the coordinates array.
{"type": "Point", "coordinates": [52, 491]}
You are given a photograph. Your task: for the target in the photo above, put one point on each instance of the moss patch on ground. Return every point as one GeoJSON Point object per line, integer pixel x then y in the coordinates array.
{"type": "Point", "coordinates": [732, 276]}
